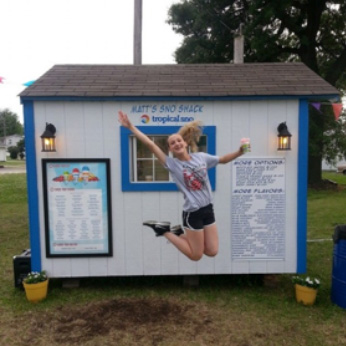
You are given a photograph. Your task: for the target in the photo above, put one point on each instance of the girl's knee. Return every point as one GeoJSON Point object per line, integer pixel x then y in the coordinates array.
{"type": "Point", "coordinates": [196, 256]}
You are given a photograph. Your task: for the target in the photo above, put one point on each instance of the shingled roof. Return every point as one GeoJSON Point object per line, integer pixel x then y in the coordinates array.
{"type": "Point", "coordinates": [192, 80]}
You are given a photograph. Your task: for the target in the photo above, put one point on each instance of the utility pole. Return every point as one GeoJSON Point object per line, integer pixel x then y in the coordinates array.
{"type": "Point", "coordinates": [137, 40]}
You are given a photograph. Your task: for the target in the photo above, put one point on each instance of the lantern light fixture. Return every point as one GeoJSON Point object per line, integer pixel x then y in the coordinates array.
{"type": "Point", "coordinates": [48, 138]}
{"type": "Point", "coordinates": [284, 137]}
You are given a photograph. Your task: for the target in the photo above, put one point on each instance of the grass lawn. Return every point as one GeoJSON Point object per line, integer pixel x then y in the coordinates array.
{"type": "Point", "coordinates": [12, 163]}
{"type": "Point", "coordinates": [223, 310]}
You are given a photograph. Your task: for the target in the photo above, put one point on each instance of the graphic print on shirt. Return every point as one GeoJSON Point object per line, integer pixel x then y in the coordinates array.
{"type": "Point", "coordinates": [195, 177]}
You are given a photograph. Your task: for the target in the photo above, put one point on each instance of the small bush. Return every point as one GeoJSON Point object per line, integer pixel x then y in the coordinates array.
{"type": "Point", "coordinates": [13, 152]}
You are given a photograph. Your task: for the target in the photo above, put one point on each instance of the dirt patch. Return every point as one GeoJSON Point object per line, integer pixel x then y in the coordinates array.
{"type": "Point", "coordinates": [127, 321]}
{"type": "Point", "coordinates": [158, 321]}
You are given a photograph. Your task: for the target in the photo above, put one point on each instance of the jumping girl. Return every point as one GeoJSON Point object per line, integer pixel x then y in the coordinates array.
{"type": "Point", "coordinates": [189, 171]}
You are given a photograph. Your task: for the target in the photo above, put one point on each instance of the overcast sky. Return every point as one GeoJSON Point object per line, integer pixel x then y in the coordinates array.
{"type": "Point", "coordinates": [37, 34]}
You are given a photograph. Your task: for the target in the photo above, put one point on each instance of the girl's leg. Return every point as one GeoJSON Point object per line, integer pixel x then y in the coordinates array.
{"type": "Point", "coordinates": [211, 240]}
{"type": "Point", "coordinates": [191, 244]}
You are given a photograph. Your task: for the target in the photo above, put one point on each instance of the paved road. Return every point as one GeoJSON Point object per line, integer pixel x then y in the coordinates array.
{"type": "Point", "coordinates": [6, 170]}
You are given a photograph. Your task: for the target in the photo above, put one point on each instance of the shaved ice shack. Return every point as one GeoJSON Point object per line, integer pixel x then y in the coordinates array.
{"type": "Point", "coordinates": [91, 185]}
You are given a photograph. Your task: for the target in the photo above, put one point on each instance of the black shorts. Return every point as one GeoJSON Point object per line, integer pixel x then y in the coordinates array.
{"type": "Point", "coordinates": [197, 220]}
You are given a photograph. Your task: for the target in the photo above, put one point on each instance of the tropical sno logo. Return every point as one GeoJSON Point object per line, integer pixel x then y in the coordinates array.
{"type": "Point", "coordinates": [145, 119]}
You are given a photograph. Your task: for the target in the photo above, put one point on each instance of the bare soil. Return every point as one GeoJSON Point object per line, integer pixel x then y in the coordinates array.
{"type": "Point", "coordinates": [156, 321]}
{"type": "Point", "coordinates": [132, 321]}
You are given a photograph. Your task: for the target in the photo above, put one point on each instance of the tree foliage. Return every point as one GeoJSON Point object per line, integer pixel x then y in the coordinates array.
{"type": "Point", "coordinates": [9, 124]}
{"type": "Point", "coordinates": [310, 31]}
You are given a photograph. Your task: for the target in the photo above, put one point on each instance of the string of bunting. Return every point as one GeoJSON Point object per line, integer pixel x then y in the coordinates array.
{"type": "Point", "coordinates": [2, 81]}
{"type": "Point", "coordinates": [337, 108]}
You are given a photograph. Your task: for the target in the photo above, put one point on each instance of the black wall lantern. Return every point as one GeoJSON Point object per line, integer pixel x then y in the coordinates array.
{"type": "Point", "coordinates": [284, 137]}
{"type": "Point", "coordinates": [48, 138]}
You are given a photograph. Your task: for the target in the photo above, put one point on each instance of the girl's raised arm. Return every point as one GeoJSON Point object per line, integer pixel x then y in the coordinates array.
{"type": "Point", "coordinates": [124, 121]}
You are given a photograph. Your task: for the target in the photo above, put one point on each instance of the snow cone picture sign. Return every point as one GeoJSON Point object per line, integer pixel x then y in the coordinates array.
{"type": "Point", "coordinates": [77, 207]}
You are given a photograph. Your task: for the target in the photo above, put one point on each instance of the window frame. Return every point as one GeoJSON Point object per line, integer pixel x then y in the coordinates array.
{"type": "Point", "coordinates": [125, 146]}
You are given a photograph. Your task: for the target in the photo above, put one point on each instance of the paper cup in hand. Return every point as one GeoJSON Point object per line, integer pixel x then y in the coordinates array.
{"type": "Point", "coordinates": [245, 144]}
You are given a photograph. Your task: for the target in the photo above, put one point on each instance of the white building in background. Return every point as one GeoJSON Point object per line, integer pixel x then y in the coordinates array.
{"type": "Point", "coordinates": [2, 153]}
{"type": "Point", "coordinates": [328, 167]}
{"type": "Point", "coordinates": [10, 141]}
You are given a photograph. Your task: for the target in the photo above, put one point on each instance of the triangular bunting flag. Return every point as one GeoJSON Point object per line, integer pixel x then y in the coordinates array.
{"type": "Point", "coordinates": [316, 105]}
{"type": "Point", "coordinates": [337, 108]}
{"type": "Point", "coordinates": [29, 83]}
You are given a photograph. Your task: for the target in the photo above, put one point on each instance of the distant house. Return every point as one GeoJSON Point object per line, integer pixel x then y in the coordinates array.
{"type": "Point", "coordinates": [10, 141]}
{"type": "Point", "coordinates": [328, 167]}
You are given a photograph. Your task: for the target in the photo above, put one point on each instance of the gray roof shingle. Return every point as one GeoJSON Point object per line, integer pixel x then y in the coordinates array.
{"type": "Point", "coordinates": [179, 80]}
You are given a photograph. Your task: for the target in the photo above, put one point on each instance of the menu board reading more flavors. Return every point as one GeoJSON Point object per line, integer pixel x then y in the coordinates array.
{"type": "Point", "coordinates": [77, 207]}
{"type": "Point", "coordinates": [258, 209]}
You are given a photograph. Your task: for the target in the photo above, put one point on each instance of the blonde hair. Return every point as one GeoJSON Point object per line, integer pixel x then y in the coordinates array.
{"type": "Point", "coordinates": [191, 133]}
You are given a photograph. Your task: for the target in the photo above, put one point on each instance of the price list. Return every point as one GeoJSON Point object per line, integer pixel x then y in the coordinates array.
{"type": "Point", "coordinates": [258, 214]}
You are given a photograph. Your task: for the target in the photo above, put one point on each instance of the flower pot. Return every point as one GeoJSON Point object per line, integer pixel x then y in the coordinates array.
{"type": "Point", "coordinates": [305, 295]}
{"type": "Point", "coordinates": [36, 292]}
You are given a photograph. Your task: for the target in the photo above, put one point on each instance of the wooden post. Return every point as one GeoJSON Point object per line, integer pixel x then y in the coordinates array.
{"type": "Point", "coordinates": [137, 39]}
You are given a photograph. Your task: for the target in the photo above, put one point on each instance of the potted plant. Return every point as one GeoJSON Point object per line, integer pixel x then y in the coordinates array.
{"type": "Point", "coordinates": [36, 286]}
{"type": "Point", "coordinates": [306, 289]}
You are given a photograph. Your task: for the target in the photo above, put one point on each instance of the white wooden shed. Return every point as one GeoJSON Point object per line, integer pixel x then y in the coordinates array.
{"type": "Point", "coordinates": [259, 199]}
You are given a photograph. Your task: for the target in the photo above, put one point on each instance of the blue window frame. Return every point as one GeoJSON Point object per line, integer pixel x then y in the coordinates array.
{"type": "Point", "coordinates": [127, 182]}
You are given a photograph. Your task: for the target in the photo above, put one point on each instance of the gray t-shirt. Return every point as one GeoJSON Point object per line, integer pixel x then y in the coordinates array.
{"type": "Point", "coordinates": [192, 179]}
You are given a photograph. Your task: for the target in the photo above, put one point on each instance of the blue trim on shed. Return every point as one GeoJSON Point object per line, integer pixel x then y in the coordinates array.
{"type": "Point", "coordinates": [180, 98]}
{"type": "Point", "coordinates": [303, 143]}
{"type": "Point", "coordinates": [31, 176]}
{"type": "Point", "coordinates": [126, 183]}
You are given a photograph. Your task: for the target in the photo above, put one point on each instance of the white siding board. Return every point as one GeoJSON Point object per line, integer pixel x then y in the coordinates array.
{"type": "Point", "coordinates": [276, 115]}
{"type": "Point", "coordinates": [75, 130]}
{"type": "Point", "coordinates": [133, 233]}
{"type": "Point", "coordinates": [94, 148]}
{"type": "Point", "coordinates": [93, 130]}
{"type": "Point", "coordinates": [258, 267]}
{"type": "Point", "coordinates": [276, 267]}
{"type": "Point", "coordinates": [61, 267]}
{"type": "Point", "coordinates": [206, 265]}
{"type": "Point", "coordinates": [111, 140]}
{"type": "Point", "coordinates": [258, 128]}
{"type": "Point", "coordinates": [186, 266]}
{"type": "Point", "coordinates": [151, 243]}
{"type": "Point", "coordinates": [80, 267]}
{"type": "Point", "coordinates": [168, 207]}
{"type": "Point", "coordinates": [222, 199]}
{"type": "Point", "coordinates": [98, 266]}
{"type": "Point", "coordinates": [291, 187]}
{"type": "Point", "coordinates": [240, 267]}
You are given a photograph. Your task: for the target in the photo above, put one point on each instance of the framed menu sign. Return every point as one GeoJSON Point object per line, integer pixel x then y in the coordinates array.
{"type": "Point", "coordinates": [77, 207]}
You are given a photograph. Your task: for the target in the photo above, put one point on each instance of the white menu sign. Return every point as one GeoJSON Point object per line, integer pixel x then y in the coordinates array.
{"type": "Point", "coordinates": [77, 207]}
{"type": "Point", "coordinates": [258, 209]}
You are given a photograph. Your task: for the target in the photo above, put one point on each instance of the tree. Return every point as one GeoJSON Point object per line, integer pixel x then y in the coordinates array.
{"type": "Point", "coordinates": [9, 124]}
{"type": "Point", "coordinates": [207, 27]}
{"type": "Point", "coordinates": [21, 148]}
{"type": "Point", "coordinates": [311, 31]}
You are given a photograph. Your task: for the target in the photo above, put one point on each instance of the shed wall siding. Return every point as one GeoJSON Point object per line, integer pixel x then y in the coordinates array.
{"type": "Point", "coordinates": [91, 130]}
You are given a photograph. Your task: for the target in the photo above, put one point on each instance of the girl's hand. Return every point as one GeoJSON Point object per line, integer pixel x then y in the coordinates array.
{"type": "Point", "coordinates": [124, 120]}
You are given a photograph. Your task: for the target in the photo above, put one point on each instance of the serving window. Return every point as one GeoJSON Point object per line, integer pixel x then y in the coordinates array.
{"type": "Point", "coordinates": [141, 170]}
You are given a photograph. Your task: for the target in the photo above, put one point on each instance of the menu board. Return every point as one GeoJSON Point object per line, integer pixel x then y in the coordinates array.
{"type": "Point", "coordinates": [77, 207]}
{"type": "Point", "coordinates": [258, 209]}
